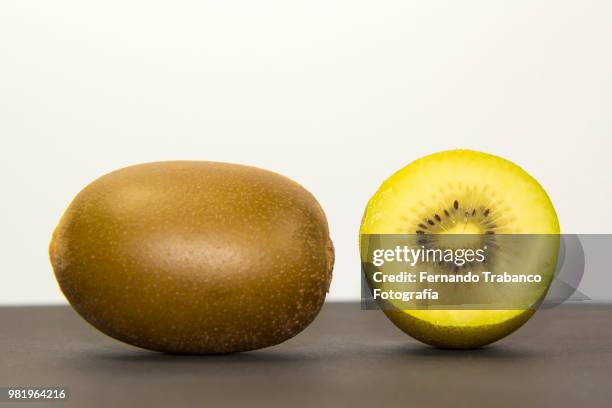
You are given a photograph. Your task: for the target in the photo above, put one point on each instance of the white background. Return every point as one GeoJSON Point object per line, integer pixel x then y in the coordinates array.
{"type": "Point", "coordinates": [334, 94]}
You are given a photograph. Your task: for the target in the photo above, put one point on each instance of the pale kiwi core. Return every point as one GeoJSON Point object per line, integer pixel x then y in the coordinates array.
{"type": "Point", "coordinates": [460, 192]}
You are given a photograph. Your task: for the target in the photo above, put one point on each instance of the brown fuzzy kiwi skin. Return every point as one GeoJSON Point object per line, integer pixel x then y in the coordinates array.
{"type": "Point", "coordinates": [194, 257]}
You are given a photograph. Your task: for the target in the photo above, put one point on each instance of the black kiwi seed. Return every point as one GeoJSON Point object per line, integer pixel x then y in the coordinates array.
{"type": "Point", "coordinates": [434, 224]}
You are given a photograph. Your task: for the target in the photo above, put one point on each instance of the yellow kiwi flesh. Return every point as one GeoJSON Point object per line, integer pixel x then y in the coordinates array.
{"type": "Point", "coordinates": [194, 257]}
{"type": "Point", "coordinates": [460, 192]}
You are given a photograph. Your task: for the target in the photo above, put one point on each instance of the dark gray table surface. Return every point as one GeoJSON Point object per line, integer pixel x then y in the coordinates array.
{"type": "Point", "coordinates": [347, 357]}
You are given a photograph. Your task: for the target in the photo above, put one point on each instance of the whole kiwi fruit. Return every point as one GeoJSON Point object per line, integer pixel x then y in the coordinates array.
{"type": "Point", "coordinates": [194, 257]}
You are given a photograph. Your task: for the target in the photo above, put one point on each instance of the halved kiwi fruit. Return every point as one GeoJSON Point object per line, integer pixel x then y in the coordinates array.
{"type": "Point", "coordinates": [464, 192]}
